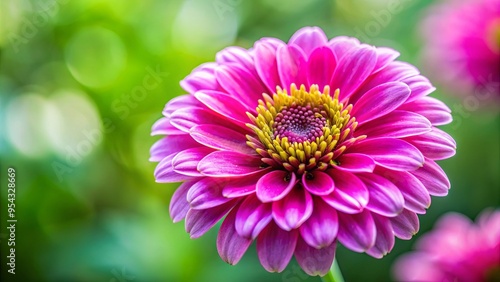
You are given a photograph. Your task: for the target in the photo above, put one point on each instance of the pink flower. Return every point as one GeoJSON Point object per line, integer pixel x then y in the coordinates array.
{"type": "Point", "coordinates": [302, 145]}
{"type": "Point", "coordinates": [463, 46]}
{"type": "Point", "coordinates": [456, 250]}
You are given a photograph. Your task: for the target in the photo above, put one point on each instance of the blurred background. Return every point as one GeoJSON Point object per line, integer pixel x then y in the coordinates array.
{"type": "Point", "coordinates": [76, 113]}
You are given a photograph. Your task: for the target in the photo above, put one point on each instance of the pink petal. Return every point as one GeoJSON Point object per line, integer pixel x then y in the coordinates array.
{"type": "Point", "coordinates": [220, 137]}
{"type": "Point", "coordinates": [179, 205]}
{"type": "Point", "coordinates": [352, 70]}
{"type": "Point", "coordinates": [308, 39]}
{"type": "Point", "coordinates": [314, 261]}
{"type": "Point", "coordinates": [238, 55]}
{"type": "Point", "coordinates": [385, 197]}
{"type": "Point", "coordinates": [420, 87]}
{"type": "Point", "coordinates": [241, 84]}
{"type": "Point", "coordinates": [391, 153]}
{"type": "Point", "coordinates": [397, 124]}
{"type": "Point", "coordinates": [180, 102]}
{"type": "Point", "coordinates": [224, 105]}
{"type": "Point", "coordinates": [293, 210]}
{"type": "Point", "coordinates": [186, 118]}
{"type": "Point", "coordinates": [385, 238]}
{"type": "Point", "coordinates": [320, 230]}
{"type": "Point", "coordinates": [266, 64]}
{"type": "Point", "coordinates": [186, 162]}
{"type": "Point", "coordinates": [198, 222]}
{"type": "Point", "coordinates": [228, 164]}
{"type": "Point", "coordinates": [355, 163]}
{"type": "Point", "coordinates": [320, 66]}
{"type": "Point", "coordinates": [171, 145]}
{"type": "Point", "coordinates": [164, 127]}
{"type": "Point", "coordinates": [341, 45]}
{"type": "Point", "coordinates": [318, 183]}
{"type": "Point", "coordinates": [201, 78]}
{"type": "Point", "coordinates": [417, 198]}
{"type": "Point", "coordinates": [405, 225]}
{"type": "Point", "coordinates": [230, 245]}
{"type": "Point", "coordinates": [433, 178]}
{"type": "Point", "coordinates": [164, 172]}
{"type": "Point", "coordinates": [275, 185]}
{"type": "Point", "coordinates": [434, 110]}
{"type": "Point", "coordinates": [291, 66]}
{"type": "Point", "coordinates": [252, 217]}
{"type": "Point", "coordinates": [275, 247]}
{"type": "Point", "coordinates": [435, 145]}
{"type": "Point", "coordinates": [350, 194]}
{"type": "Point", "coordinates": [357, 232]}
{"type": "Point", "coordinates": [379, 101]}
{"type": "Point", "coordinates": [241, 186]}
{"type": "Point", "coordinates": [206, 193]}
{"type": "Point", "coordinates": [385, 56]}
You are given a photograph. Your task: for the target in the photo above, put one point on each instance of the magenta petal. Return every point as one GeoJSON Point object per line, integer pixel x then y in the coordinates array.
{"type": "Point", "coordinates": [224, 105]}
{"type": "Point", "coordinates": [341, 45]}
{"type": "Point", "coordinates": [352, 70]}
{"type": "Point", "coordinates": [417, 198]}
{"type": "Point", "coordinates": [206, 193]}
{"type": "Point", "coordinates": [241, 84]}
{"type": "Point", "coordinates": [434, 110]}
{"type": "Point", "coordinates": [357, 232]}
{"type": "Point", "coordinates": [433, 178]}
{"type": "Point", "coordinates": [220, 137]}
{"type": "Point", "coordinates": [385, 197]}
{"type": "Point", "coordinates": [228, 164]}
{"type": "Point", "coordinates": [252, 217]}
{"type": "Point", "coordinates": [391, 153]}
{"type": "Point", "coordinates": [230, 245]}
{"type": "Point", "coordinates": [293, 210]}
{"type": "Point", "coordinates": [180, 102]}
{"type": "Point", "coordinates": [201, 78]}
{"type": "Point", "coordinates": [385, 56]}
{"type": "Point", "coordinates": [355, 163]}
{"type": "Point", "coordinates": [171, 145]}
{"type": "Point", "coordinates": [397, 124]}
{"type": "Point", "coordinates": [350, 194]}
{"type": "Point", "coordinates": [241, 186]}
{"type": "Point", "coordinates": [291, 66]}
{"type": "Point", "coordinates": [179, 205]}
{"type": "Point", "coordinates": [308, 39]}
{"type": "Point", "coordinates": [198, 222]}
{"type": "Point", "coordinates": [236, 54]}
{"type": "Point", "coordinates": [420, 87]}
{"type": "Point", "coordinates": [435, 145]}
{"type": "Point", "coordinates": [186, 118]}
{"type": "Point", "coordinates": [164, 127]}
{"type": "Point", "coordinates": [275, 247]}
{"type": "Point", "coordinates": [405, 225]}
{"type": "Point", "coordinates": [318, 183]}
{"type": "Point", "coordinates": [186, 162]}
{"type": "Point", "coordinates": [320, 230]}
{"type": "Point", "coordinates": [379, 101]}
{"type": "Point", "coordinates": [314, 261]}
{"type": "Point", "coordinates": [275, 185]}
{"type": "Point", "coordinates": [266, 64]}
{"type": "Point", "coordinates": [320, 67]}
{"type": "Point", "coordinates": [164, 172]}
{"type": "Point", "coordinates": [385, 237]}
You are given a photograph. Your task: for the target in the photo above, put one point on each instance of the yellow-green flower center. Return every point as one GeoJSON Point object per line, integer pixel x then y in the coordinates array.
{"type": "Point", "coordinates": [299, 131]}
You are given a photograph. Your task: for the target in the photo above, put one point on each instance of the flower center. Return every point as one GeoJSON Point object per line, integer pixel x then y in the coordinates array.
{"type": "Point", "coordinates": [301, 131]}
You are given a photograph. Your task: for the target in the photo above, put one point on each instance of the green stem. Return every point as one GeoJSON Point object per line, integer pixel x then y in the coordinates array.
{"type": "Point", "coordinates": [334, 275]}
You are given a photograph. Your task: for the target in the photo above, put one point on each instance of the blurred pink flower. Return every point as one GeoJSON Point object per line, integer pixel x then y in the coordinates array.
{"type": "Point", "coordinates": [342, 147]}
{"type": "Point", "coordinates": [455, 250]}
{"type": "Point", "coordinates": [463, 46]}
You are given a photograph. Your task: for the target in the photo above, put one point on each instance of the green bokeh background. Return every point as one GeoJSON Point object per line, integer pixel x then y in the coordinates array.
{"type": "Point", "coordinates": [87, 205]}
